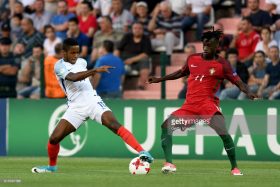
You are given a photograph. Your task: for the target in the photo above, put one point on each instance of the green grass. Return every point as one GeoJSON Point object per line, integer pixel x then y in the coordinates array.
{"type": "Point", "coordinates": [114, 172]}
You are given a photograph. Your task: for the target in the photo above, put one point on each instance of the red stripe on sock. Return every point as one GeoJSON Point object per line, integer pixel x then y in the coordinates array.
{"type": "Point", "coordinates": [53, 153]}
{"type": "Point", "coordinates": [129, 139]}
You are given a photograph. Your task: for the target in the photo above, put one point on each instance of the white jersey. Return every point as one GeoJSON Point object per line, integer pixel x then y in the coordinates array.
{"type": "Point", "coordinates": [78, 93]}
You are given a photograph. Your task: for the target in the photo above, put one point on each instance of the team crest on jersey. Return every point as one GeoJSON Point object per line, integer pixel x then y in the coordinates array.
{"type": "Point", "coordinates": [212, 71]}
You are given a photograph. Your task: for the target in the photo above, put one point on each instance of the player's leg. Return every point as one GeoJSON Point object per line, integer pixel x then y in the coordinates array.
{"type": "Point", "coordinates": [109, 120]}
{"type": "Point", "coordinates": [218, 124]}
{"type": "Point", "coordinates": [166, 144]}
{"type": "Point", "coordinates": [63, 129]}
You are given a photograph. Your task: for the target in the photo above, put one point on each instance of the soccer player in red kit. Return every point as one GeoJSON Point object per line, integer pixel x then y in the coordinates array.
{"type": "Point", "coordinates": [205, 72]}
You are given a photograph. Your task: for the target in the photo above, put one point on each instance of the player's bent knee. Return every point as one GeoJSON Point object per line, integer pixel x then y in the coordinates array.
{"type": "Point", "coordinates": [54, 140]}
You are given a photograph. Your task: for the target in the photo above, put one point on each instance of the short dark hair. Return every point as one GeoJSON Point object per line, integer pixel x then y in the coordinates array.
{"type": "Point", "coordinates": [69, 42]}
{"type": "Point", "coordinates": [108, 45]}
{"type": "Point", "coordinates": [74, 19]}
{"type": "Point", "coordinates": [38, 46]}
{"type": "Point", "coordinates": [248, 19]}
{"type": "Point", "coordinates": [232, 51]}
{"type": "Point", "coordinates": [19, 16]}
{"type": "Point", "coordinates": [260, 52]}
{"type": "Point", "coordinates": [46, 27]}
{"type": "Point", "coordinates": [88, 4]}
{"type": "Point", "coordinates": [29, 20]}
{"type": "Point", "coordinates": [58, 48]}
{"type": "Point", "coordinates": [108, 18]}
{"type": "Point", "coordinates": [217, 34]}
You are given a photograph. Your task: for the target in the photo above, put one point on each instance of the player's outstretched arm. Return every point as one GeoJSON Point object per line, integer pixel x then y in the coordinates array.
{"type": "Point", "coordinates": [84, 74]}
{"type": "Point", "coordinates": [176, 75]}
{"type": "Point", "coordinates": [244, 88]}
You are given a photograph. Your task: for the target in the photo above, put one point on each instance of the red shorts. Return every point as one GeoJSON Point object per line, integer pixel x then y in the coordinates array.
{"type": "Point", "coordinates": [205, 110]}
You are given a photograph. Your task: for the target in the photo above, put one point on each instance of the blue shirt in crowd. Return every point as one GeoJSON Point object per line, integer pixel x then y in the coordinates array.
{"type": "Point", "coordinates": [110, 82]}
{"type": "Point", "coordinates": [274, 74]}
{"type": "Point", "coordinates": [61, 19]}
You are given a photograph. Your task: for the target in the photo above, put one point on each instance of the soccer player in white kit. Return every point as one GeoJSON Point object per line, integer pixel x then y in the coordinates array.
{"type": "Point", "coordinates": [83, 103]}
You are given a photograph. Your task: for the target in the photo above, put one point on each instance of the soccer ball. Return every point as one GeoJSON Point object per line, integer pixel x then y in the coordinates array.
{"type": "Point", "coordinates": [139, 167]}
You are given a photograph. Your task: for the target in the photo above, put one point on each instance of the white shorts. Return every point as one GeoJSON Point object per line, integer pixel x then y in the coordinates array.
{"type": "Point", "coordinates": [93, 110]}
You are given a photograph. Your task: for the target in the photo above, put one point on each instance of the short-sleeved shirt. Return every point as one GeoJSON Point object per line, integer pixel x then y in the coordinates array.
{"type": "Point", "coordinates": [246, 44]}
{"type": "Point", "coordinates": [99, 37]}
{"type": "Point", "coordinates": [40, 21]}
{"type": "Point", "coordinates": [205, 77]}
{"type": "Point", "coordinates": [104, 6]}
{"type": "Point", "coordinates": [8, 82]}
{"type": "Point", "coordinates": [274, 74]}
{"type": "Point", "coordinates": [90, 22]}
{"type": "Point", "coordinates": [30, 41]}
{"type": "Point", "coordinates": [61, 19]}
{"type": "Point", "coordinates": [261, 18]}
{"type": "Point", "coordinates": [130, 47]}
{"type": "Point", "coordinates": [198, 6]}
{"type": "Point", "coordinates": [80, 92]}
{"type": "Point", "coordinates": [49, 46]}
{"type": "Point", "coordinates": [110, 82]}
{"type": "Point", "coordinates": [83, 40]}
{"type": "Point", "coordinates": [172, 24]}
{"type": "Point", "coordinates": [120, 21]}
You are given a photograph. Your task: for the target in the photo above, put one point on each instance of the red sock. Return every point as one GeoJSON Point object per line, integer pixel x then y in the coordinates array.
{"type": "Point", "coordinates": [53, 152]}
{"type": "Point", "coordinates": [129, 139]}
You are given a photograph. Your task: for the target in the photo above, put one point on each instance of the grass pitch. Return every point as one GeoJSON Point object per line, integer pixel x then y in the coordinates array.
{"type": "Point", "coordinates": [15, 171]}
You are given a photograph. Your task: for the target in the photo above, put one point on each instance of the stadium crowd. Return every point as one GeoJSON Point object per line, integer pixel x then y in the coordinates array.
{"type": "Point", "coordinates": [125, 34]}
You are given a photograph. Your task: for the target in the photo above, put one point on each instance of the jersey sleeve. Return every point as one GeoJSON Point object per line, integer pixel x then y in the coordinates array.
{"type": "Point", "coordinates": [60, 70]}
{"type": "Point", "coordinates": [229, 74]}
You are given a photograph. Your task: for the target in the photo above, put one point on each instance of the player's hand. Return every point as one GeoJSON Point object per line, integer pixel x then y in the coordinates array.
{"type": "Point", "coordinates": [253, 96]}
{"type": "Point", "coordinates": [153, 80]}
{"type": "Point", "coordinates": [103, 69]}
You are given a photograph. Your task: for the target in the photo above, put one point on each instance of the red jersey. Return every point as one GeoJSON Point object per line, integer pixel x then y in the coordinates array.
{"type": "Point", "coordinates": [205, 77]}
{"type": "Point", "coordinates": [246, 44]}
{"type": "Point", "coordinates": [85, 25]}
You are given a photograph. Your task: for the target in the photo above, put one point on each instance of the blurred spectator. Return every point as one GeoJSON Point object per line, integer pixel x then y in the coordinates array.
{"type": "Point", "coordinates": [87, 21]}
{"type": "Point", "coordinates": [142, 15]}
{"type": "Point", "coordinates": [273, 7]}
{"type": "Point", "coordinates": [4, 16]}
{"type": "Point", "coordinates": [50, 41]}
{"type": "Point", "coordinates": [197, 11]}
{"type": "Point", "coordinates": [27, 2]}
{"type": "Point", "coordinates": [19, 53]}
{"type": "Point", "coordinates": [5, 30]}
{"type": "Point", "coordinates": [266, 41]}
{"type": "Point", "coordinates": [30, 36]}
{"type": "Point", "coordinates": [256, 74]}
{"type": "Point", "coordinates": [8, 70]}
{"type": "Point", "coordinates": [109, 85]}
{"type": "Point", "coordinates": [121, 18]}
{"type": "Point", "coordinates": [102, 7]}
{"type": "Point", "coordinates": [60, 20]}
{"type": "Point", "coordinates": [72, 5]}
{"type": "Point", "coordinates": [231, 91]}
{"type": "Point", "coordinates": [178, 6]}
{"type": "Point", "coordinates": [40, 17]}
{"type": "Point", "coordinates": [31, 74]}
{"type": "Point", "coordinates": [150, 4]}
{"type": "Point", "coordinates": [16, 26]}
{"type": "Point", "coordinates": [166, 25]}
{"type": "Point", "coordinates": [82, 39]}
{"type": "Point", "coordinates": [188, 50]}
{"type": "Point", "coordinates": [52, 87]}
{"type": "Point", "coordinates": [270, 86]}
{"type": "Point", "coordinates": [16, 7]}
{"type": "Point", "coordinates": [51, 6]}
{"type": "Point", "coordinates": [260, 18]}
{"type": "Point", "coordinates": [106, 32]}
{"type": "Point", "coordinates": [224, 42]}
{"type": "Point", "coordinates": [135, 49]}
{"type": "Point", "coordinates": [245, 41]}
